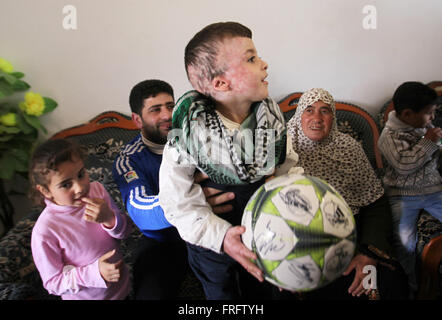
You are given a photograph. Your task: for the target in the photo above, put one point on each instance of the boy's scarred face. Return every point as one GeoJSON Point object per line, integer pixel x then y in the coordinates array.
{"type": "Point", "coordinates": [419, 119]}
{"type": "Point", "coordinates": [68, 184]}
{"type": "Point", "coordinates": [246, 71]}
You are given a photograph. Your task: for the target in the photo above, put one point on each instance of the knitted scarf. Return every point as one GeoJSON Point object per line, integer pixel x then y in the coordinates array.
{"type": "Point", "coordinates": [229, 158]}
{"type": "Point", "coordinates": [338, 159]}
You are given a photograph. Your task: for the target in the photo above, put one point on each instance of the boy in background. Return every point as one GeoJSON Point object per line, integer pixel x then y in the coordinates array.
{"type": "Point", "coordinates": [411, 145]}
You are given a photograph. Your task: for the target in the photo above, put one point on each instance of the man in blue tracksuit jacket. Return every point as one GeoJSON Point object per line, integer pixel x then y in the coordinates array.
{"type": "Point", "coordinates": [161, 258]}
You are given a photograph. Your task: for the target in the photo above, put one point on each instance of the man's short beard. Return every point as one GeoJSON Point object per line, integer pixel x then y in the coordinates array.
{"type": "Point", "coordinates": [154, 135]}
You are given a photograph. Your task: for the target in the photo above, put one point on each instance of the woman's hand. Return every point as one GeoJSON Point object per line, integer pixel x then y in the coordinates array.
{"type": "Point", "coordinates": [358, 263]}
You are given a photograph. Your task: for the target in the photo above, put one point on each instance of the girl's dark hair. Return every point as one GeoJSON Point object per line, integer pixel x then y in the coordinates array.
{"type": "Point", "coordinates": [46, 158]}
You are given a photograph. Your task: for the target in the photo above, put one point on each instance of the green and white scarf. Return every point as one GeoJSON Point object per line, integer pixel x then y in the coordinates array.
{"type": "Point", "coordinates": [200, 136]}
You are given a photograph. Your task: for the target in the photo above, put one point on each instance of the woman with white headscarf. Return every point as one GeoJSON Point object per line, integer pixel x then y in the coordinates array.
{"type": "Point", "coordinates": [337, 158]}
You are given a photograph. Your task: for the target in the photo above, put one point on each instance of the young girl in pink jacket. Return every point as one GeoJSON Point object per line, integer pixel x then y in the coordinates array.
{"type": "Point", "coordinates": [74, 241]}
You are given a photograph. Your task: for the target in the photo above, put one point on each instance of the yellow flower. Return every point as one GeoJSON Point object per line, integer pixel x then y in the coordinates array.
{"type": "Point", "coordinates": [8, 119]}
{"type": "Point", "coordinates": [6, 66]}
{"type": "Point", "coordinates": [33, 104]}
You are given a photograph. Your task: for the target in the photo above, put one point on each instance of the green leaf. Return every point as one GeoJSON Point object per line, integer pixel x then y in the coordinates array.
{"type": "Point", "coordinates": [7, 163]}
{"type": "Point", "coordinates": [9, 79]}
{"type": "Point", "coordinates": [5, 88]}
{"type": "Point", "coordinates": [50, 104]}
{"type": "Point", "coordinates": [13, 160]}
{"type": "Point", "coordinates": [6, 107]}
{"type": "Point", "coordinates": [42, 127]}
{"type": "Point", "coordinates": [18, 74]}
{"type": "Point", "coordinates": [28, 138]}
{"type": "Point", "coordinates": [9, 129]}
{"type": "Point", "coordinates": [3, 74]}
{"type": "Point", "coordinates": [20, 85]}
{"type": "Point", "coordinates": [23, 125]}
{"type": "Point", "coordinates": [22, 159]}
{"type": "Point", "coordinates": [17, 144]}
{"type": "Point", "coordinates": [6, 137]}
{"type": "Point", "coordinates": [32, 120]}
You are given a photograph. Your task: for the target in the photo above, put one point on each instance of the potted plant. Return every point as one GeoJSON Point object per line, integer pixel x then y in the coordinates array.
{"type": "Point", "coordinates": [20, 126]}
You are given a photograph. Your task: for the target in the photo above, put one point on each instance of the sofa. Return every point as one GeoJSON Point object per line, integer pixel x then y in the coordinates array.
{"type": "Point", "coordinates": [103, 137]}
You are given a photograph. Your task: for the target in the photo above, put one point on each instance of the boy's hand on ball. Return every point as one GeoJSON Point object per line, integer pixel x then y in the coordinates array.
{"type": "Point", "coordinates": [233, 246]}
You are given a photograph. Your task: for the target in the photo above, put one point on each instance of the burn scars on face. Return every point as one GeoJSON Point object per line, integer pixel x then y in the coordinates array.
{"type": "Point", "coordinates": [206, 68]}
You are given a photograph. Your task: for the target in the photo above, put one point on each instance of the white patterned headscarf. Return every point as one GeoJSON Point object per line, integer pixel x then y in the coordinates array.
{"type": "Point", "coordinates": [338, 159]}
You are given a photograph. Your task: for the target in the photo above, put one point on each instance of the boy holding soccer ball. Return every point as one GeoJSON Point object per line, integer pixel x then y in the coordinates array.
{"type": "Point", "coordinates": [231, 130]}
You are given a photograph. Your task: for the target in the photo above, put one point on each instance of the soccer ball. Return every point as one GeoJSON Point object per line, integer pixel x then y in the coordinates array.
{"type": "Point", "coordinates": [302, 231]}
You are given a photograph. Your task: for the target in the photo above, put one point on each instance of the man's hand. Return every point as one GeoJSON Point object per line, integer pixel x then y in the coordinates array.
{"type": "Point", "coordinates": [358, 263]}
{"type": "Point", "coordinates": [233, 246]}
{"type": "Point", "coordinates": [214, 197]}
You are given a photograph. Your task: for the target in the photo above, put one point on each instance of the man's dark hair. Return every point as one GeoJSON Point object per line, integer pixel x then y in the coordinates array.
{"type": "Point", "coordinates": [413, 95]}
{"type": "Point", "coordinates": [146, 89]}
{"type": "Point", "coordinates": [202, 50]}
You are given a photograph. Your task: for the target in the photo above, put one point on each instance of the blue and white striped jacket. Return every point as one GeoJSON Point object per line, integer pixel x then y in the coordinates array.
{"type": "Point", "coordinates": [136, 172]}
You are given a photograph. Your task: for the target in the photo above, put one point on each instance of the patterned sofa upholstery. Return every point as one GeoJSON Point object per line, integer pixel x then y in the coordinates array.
{"type": "Point", "coordinates": [103, 137]}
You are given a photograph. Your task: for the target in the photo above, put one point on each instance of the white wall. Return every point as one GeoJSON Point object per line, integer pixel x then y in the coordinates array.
{"type": "Point", "coordinates": [306, 44]}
